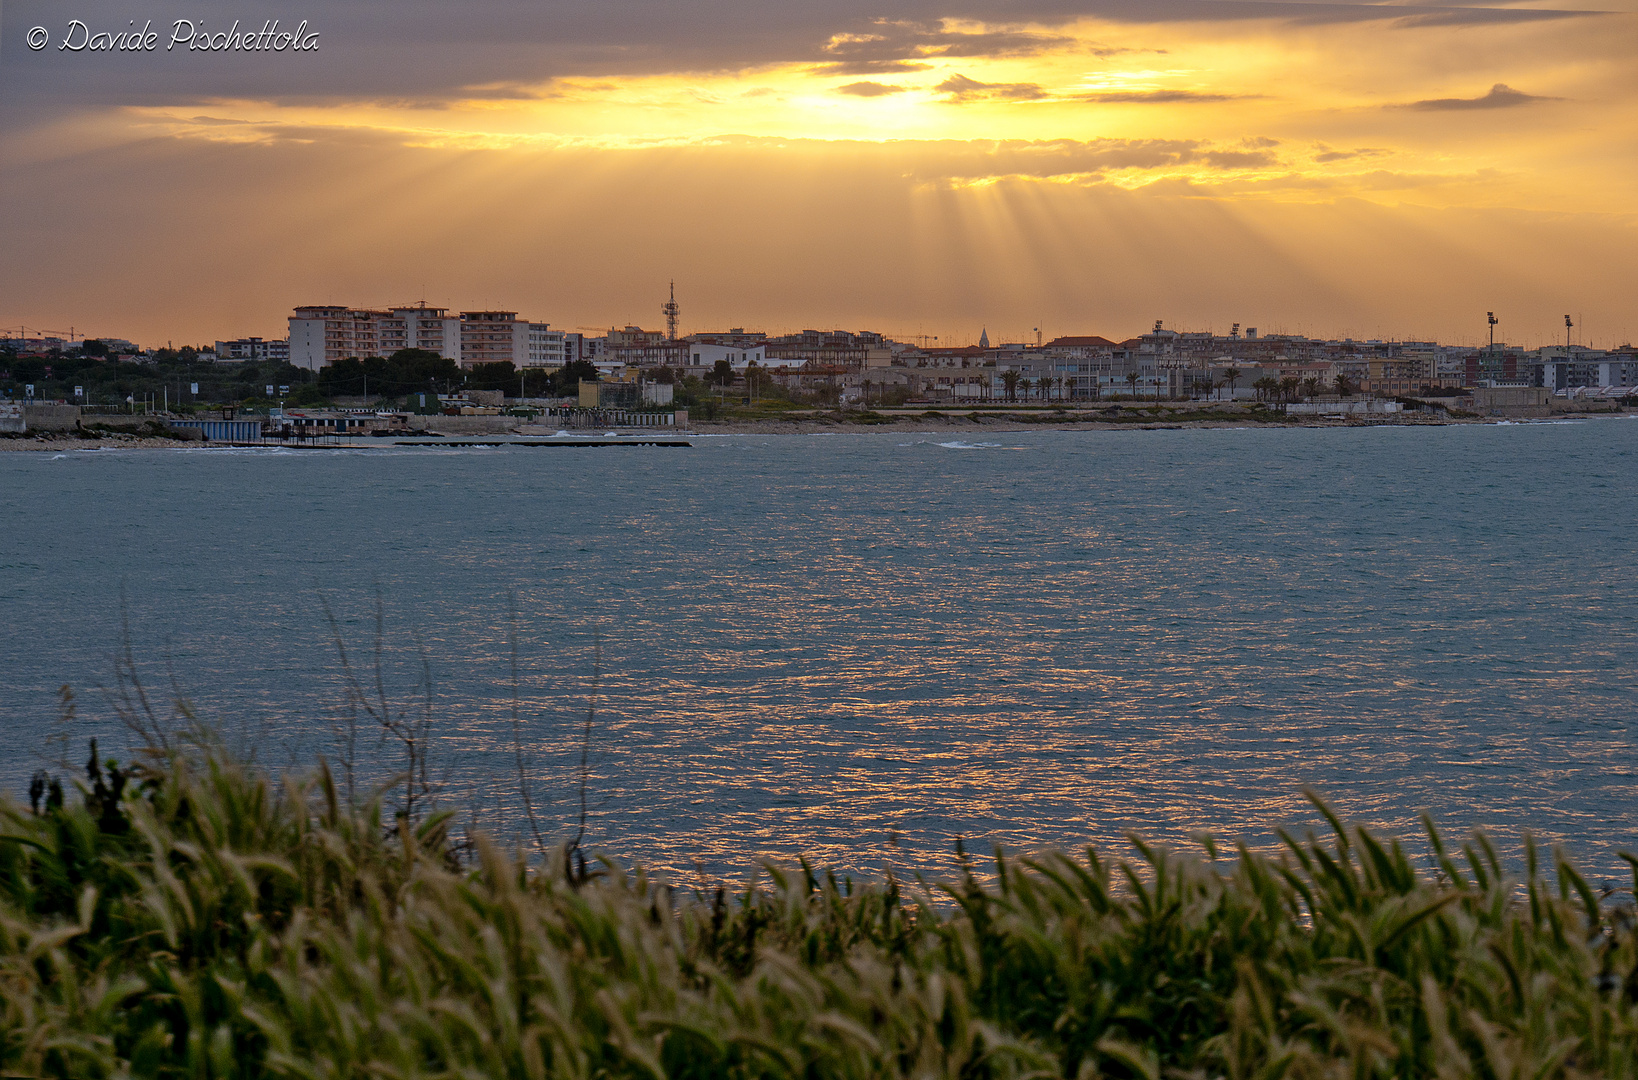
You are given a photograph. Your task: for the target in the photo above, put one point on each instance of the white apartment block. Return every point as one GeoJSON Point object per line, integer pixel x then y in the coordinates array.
{"type": "Point", "coordinates": [320, 335]}
{"type": "Point", "coordinates": [548, 348]}
{"type": "Point", "coordinates": [419, 327]}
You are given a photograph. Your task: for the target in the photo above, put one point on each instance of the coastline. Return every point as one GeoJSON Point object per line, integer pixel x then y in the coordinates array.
{"type": "Point", "coordinates": [929, 422]}
{"type": "Point", "coordinates": [63, 440]}
{"type": "Point", "coordinates": [991, 422]}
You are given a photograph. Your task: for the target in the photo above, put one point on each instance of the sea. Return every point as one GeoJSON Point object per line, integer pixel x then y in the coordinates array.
{"type": "Point", "coordinates": [864, 649]}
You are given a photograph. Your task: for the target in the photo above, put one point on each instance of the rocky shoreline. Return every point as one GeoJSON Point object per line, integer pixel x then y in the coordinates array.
{"type": "Point", "coordinates": [929, 422]}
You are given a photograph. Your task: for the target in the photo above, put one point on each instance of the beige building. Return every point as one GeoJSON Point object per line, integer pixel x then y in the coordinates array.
{"type": "Point", "coordinates": [322, 334]}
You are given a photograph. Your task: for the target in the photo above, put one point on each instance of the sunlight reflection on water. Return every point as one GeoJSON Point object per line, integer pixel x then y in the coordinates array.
{"type": "Point", "coordinates": [816, 645]}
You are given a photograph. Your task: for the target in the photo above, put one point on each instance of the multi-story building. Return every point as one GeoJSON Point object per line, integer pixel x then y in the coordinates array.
{"type": "Point", "coordinates": [581, 347]}
{"type": "Point", "coordinates": [830, 349]}
{"type": "Point", "coordinates": [957, 374]}
{"type": "Point", "coordinates": [1395, 375]}
{"type": "Point", "coordinates": [320, 335]}
{"type": "Point", "coordinates": [548, 348]}
{"type": "Point", "coordinates": [639, 348]}
{"type": "Point", "coordinates": [493, 337]}
{"type": "Point", "coordinates": [1500, 366]}
{"type": "Point", "coordinates": [433, 329]}
{"type": "Point", "coordinates": [738, 338]}
{"type": "Point", "coordinates": [253, 348]}
{"type": "Point", "coordinates": [1565, 367]}
{"type": "Point", "coordinates": [1082, 364]}
{"type": "Point", "coordinates": [1619, 368]}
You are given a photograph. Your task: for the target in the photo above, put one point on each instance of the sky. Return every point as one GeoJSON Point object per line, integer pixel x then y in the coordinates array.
{"type": "Point", "coordinates": [925, 167]}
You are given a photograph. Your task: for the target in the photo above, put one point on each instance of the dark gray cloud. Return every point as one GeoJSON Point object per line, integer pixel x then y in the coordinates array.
{"type": "Point", "coordinates": [1327, 155]}
{"type": "Point", "coordinates": [1155, 97]}
{"type": "Point", "coordinates": [1092, 158]}
{"type": "Point", "coordinates": [936, 160]}
{"type": "Point", "coordinates": [923, 160]}
{"type": "Point", "coordinates": [1501, 96]}
{"type": "Point", "coordinates": [1239, 159]}
{"type": "Point", "coordinates": [427, 50]}
{"type": "Point", "coordinates": [959, 90]}
{"type": "Point", "coordinates": [869, 89]}
{"type": "Point", "coordinates": [1484, 16]}
{"type": "Point", "coordinates": [901, 45]}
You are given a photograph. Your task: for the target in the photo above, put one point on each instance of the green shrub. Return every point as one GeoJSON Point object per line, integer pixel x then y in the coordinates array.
{"type": "Point", "coordinates": [192, 917]}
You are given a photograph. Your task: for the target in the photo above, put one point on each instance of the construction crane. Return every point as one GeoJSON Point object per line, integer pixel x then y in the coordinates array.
{"type": "Point", "coordinates": [23, 332]}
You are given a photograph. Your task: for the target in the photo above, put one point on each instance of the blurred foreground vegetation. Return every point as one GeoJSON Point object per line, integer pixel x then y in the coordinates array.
{"type": "Point", "coordinates": [189, 915]}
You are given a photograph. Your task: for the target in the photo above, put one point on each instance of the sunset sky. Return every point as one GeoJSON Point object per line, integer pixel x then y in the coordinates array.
{"type": "Point", "coordinates": [1371, 170]}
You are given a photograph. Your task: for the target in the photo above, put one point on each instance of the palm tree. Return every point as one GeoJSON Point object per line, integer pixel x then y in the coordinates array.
{"type": "Point", "coordinates": [1009, 379]}
{"type": "Point", "coordinates": [1265, 387]}
{"type": "Point", "coordinates": [1231, 376]}
{"type": "Point", "coordinates": [1132, 381]}
{"type": "Point", "coordinates": [1311, 387]}
{"type": "Point", "coordinates": [1024, 384]}
{"type": "Point", "coordinates": [1345, 386]}
{"type": "Point", "coordinates": [1288, 388]}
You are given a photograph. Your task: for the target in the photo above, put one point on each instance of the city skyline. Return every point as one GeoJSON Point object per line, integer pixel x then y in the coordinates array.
{"type": "Point", "coordinates": [1556, 337]}
{"type": "Point", "coordinates": [1349, 170]}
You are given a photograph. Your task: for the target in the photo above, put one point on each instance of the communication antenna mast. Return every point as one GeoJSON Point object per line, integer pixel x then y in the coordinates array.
{"type": "Point", "coordinates": [671, 311]}
{"type": "Point", "coordinates": [1491, 315]}
{"type": "Point", "coordinates": [1037, 337]}
{"type": "Point", "coordinates": [1567, 325]}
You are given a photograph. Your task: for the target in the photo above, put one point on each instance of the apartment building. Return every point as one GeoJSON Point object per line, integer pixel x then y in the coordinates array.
{"type": "Point", "coordinates": [636, 347]}
{"type": "Point", "coordinates": [738, 338]}
{"type": "Point", "coordinates": [322, 334]}
{"type": "Point", "coordinates": [420, 327]}
{"type": "Point", "coordinates": [253, 348]}
{"type": "Point", "coordinates": [830, 348]}
{"type": "Point", "coordinates": [493, 337]}
{"type": "Point", "coordinates": [549, 348]}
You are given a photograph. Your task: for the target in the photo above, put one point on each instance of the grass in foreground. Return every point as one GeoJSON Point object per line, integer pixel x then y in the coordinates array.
{"type": "Point", "coordinates": [193, 917]}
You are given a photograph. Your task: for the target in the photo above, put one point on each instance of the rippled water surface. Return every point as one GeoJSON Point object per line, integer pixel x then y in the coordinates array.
{"type": "Point", "coordinates": [863, 646]}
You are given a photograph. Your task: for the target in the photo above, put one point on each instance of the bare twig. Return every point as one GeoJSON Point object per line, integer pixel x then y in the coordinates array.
{"type": "Point", "coordinates": [409, 734]}
{"type": "Point", "coordinates": [517, 730]}
{"type": "Point", "coordinates": [574, 855]}
{"type": "Point", "coordinates": [347, 736]}
{"type": "Point", "coordinates": [130, 699]}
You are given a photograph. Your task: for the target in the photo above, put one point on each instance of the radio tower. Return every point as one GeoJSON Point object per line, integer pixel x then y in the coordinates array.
{"type": "Point", "coordinates": [671, 311]}
{"type": "Point", "coordinates": [1567, 325]}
